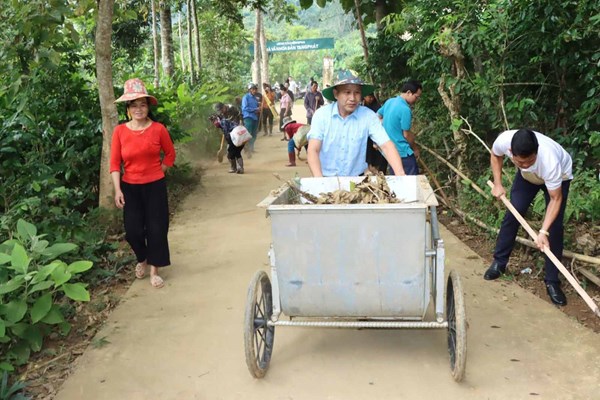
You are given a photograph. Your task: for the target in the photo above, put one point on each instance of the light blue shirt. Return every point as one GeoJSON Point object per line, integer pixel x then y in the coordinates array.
{"type": "Point", "coordinates": [344, 140]}
{"type": "Point", "coordinates": [397, 118]}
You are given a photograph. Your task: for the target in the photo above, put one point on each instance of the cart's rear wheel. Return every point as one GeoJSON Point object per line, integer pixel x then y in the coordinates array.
{"type": "Point", "coordinates": [457, 326]}
{"type": "Point", "coordinates": [258, 336]}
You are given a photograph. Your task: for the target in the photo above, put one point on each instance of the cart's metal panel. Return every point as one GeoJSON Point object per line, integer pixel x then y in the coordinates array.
{"type": "Point", "coordinates": [363, 260]}
{"type": "Point", "coordinates": [351, 263]}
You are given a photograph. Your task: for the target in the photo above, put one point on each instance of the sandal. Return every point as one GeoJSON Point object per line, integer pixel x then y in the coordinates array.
{"type": "Point", "coordinates": [156, 281]}
{"type": "Point", "coordinates": [140, 270]}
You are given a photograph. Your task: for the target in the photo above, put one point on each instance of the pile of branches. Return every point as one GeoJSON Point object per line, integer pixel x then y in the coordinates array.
{"type": "Point", "coordinates": [364, 192]}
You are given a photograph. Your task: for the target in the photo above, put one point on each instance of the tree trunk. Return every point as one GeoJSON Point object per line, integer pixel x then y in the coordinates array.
{"type": "Point", "coordinates": [166, 39]}
{"type": "Point", "coordinates": [181, 44]}
{"type": "Point", "coordinates": [196, 38]}
{"type": "Point", "coordinates": [156, 48]}
{"type": "Point", "coordinates": [327, 71]}
{"type": "Point", "coordinates": [256, 62]}
{"type": "Point", "coordinates": [450, 48]}
{"type": "Point", "coordinates": [189, 41]}
{"type": "Point", "coordinates": [264, 55]}
{"type": "Point", "coordinates": [108, 108]}
{"type": "Point", "coordinates": [362, 31]}
{"type": "Point", "coordinates": [380, 12]}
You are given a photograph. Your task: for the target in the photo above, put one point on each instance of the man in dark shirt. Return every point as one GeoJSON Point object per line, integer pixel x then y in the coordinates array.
{"type": "Point", "coordinates": [312, 101]}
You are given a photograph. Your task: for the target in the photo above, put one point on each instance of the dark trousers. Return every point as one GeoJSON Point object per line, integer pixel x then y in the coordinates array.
{"type": "Point", "coordinates": [522, 194]}
{"type": "Point", "coordinates": [266, 120]}
{"type": "Point", "coordinates": [281, 117]}
{"type": "Point", "coordinates": [233, 151]}
{"type": "Point", "coordinates": [409, 164]}
{"type": "Point", "coordinates": [146, 218]}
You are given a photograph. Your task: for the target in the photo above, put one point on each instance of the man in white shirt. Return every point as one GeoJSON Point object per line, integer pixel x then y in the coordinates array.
{"type": "Point", "coordinates": [293, 86]}
{"type": "Point", "coordinates": [542, 165]}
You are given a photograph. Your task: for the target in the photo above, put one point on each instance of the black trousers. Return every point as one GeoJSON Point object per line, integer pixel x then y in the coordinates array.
{"type": "Point", "coordinates": [521, 196]}
{"type": "Point", "coordinates": [146, 219]}
{"type": "Point", "coordinates": [233, 151]}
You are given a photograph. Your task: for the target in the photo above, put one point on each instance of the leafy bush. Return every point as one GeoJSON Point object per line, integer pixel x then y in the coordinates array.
{"type": "Point", "coordinates": [11, 392]}
{"type": "Point", "coordinates": [33, 286]}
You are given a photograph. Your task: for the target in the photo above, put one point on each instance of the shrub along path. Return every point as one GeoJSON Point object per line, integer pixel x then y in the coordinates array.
{"type": "Point", "coordinates": [185, 341]}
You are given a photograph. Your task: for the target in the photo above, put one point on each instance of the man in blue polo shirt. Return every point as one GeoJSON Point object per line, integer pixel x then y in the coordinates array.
{"type": "Point", "coordinates": [337, 141]}
{"type": "Point", "coordinates": [396, 114]}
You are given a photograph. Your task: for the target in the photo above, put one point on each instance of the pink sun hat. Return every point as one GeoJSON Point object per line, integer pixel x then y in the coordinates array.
{"type": "Point", "coordinates": [135, 89]}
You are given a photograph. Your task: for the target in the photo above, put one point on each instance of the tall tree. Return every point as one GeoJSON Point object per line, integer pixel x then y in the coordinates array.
{"type": "Point", "coordinates": [197, 51]}
{"type": "Point", "coordinates": [189, 41]}
{"type": "Point", "coordinates": [181, 43]}
{"type": "Point", "coordinates": [264, 55]}
{"type": "Point", "coordinates": [257, 53]}
{"type": "Point", "coordinates": [166, 39]}
{"type": "Point", "coordinates": [362, 30]}
{"type": "Point", "coordinates": [107, 96]}
{"type": "Point", "coordinates": [155, 45]}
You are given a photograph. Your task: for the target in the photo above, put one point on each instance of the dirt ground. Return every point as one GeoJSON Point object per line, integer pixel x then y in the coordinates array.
{"type": "Point", "coordinates": [525, 257]}
{"type": "Point", "coordinates": [185, 341]}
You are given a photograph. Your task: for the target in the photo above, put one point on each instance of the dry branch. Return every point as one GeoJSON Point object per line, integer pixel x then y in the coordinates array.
{"type": "Point", "coordinates": [529, 243]}
{"type": "Point", "coordinates": [590, 276]}
{"type": "Point", "coordinates": [456, 170]}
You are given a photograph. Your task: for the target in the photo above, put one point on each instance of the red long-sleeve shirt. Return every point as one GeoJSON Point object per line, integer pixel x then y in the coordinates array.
{"type": "Point", "coordinates": [140, 153]}
{"type": "Point", "coordinates": [292, 128]}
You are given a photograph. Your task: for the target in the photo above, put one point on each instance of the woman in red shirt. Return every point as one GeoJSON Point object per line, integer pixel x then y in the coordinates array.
{"type": "Point", "coordinates": [142, 191]}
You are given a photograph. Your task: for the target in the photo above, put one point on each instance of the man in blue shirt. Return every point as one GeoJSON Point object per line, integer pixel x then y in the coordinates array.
{"type": "Point", "coordinates": [337, 140]}
{"type": "Point", "coordinates": [397, 121]}
{"type": "Point", "coordinates": [250, 110]}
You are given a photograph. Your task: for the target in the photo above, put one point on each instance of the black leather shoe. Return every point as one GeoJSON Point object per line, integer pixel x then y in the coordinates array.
{"type": "Point", "coordinates": [494, 271]}
{"type": "Point", "coordinates": [556, 294]}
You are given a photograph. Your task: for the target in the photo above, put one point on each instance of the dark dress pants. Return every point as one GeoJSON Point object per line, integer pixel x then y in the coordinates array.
{"type": "Point", "coordinates": [522, 195]}
{"type": "Point", "coordinates": [409, 164]}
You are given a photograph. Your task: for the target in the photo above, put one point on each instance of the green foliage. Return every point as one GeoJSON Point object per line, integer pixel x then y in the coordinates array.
{"type": "Point", "coordinates": [11, 392]}
{"type": "Point", "coordinates": [523, 64]}
{"type": "Point", "coordinates": [34, 283]}
{"type": "Point", "coordinates": [312, 23]}
{"type": "Point", "coordinates": [225, 54]}
{"type": "Point", "coordinates": [583, 203]}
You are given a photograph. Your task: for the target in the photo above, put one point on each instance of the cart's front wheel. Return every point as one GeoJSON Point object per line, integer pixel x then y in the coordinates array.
{"type": "Point", "coordinates": [258, 336]}
{"type": "Point", "coordinates": [457, 326]}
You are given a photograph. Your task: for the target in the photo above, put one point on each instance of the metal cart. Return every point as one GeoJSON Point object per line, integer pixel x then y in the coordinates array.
{"type": "Point", "coordinates": [354, 266]}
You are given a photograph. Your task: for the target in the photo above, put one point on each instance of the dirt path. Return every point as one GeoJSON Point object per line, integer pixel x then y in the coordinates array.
{"type": "Point", "coordinates": [185, 341]}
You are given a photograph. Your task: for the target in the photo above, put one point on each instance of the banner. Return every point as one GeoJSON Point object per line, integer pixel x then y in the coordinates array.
{"type": "Point", "coordinates": [297, 45]}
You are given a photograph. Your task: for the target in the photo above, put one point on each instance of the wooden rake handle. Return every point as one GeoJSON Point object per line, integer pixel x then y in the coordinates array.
{"type": "Point", "coordinates": [550, 255]}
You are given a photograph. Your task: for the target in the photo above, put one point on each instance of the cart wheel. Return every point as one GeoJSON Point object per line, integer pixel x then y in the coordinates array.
{"type": "Point", "coordinates": [457, 326]}
{"type": "Point", "coordinates": [258, 337]}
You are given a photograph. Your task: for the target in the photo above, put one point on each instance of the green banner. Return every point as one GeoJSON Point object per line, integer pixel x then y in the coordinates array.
{"type": "Point", "coordinates": [297, 45]}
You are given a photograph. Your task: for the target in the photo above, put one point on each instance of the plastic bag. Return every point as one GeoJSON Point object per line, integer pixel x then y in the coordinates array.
{"type": "Point", "coordinates": [240, 135]}
{"type": "Point", "coordinates": [300, 139]}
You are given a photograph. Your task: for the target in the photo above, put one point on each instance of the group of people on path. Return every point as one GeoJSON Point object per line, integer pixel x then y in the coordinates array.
{"type": "Point", "coordinates": [336, 147]}
{"type": "Point", "coordinates": [344, 137]}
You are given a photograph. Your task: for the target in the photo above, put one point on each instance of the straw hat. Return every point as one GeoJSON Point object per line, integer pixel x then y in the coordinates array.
{"type": "Point", "coordinates": [353, 80]}
{"type": "Point", "coordinates": [135, 89]}
{"type": "Point", "coordinates": [286, 121]}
